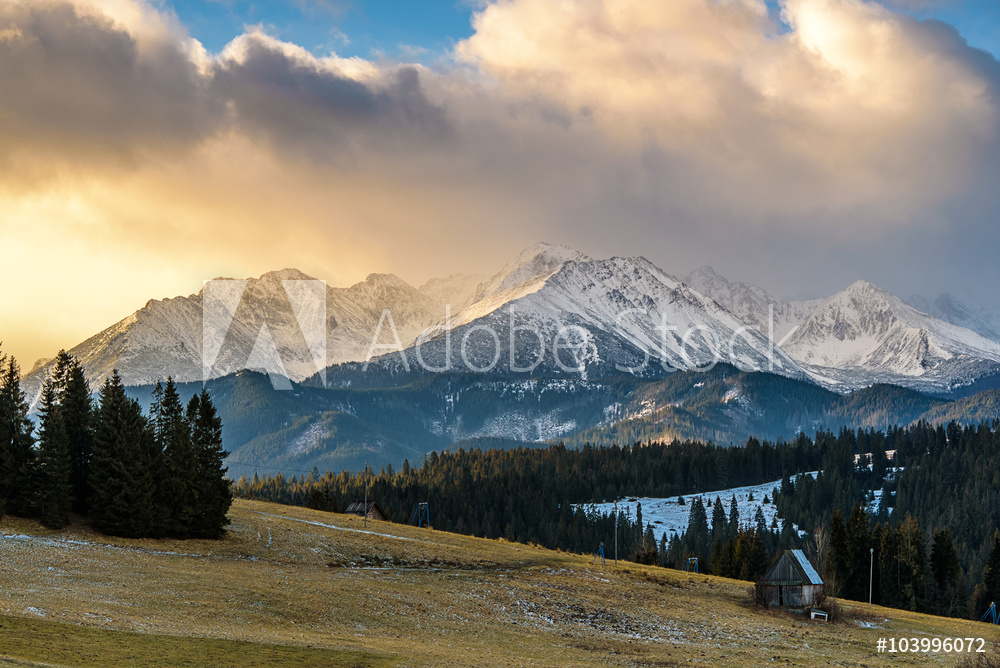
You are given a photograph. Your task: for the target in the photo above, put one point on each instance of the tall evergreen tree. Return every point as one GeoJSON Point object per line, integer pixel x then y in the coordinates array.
{"type": "Point", "coordinates": [858, 562]}
{"type": "Point", "coordinates": [913, 563]}
{"type": "Point", "coordinates": [988, 590]}
{"type": "Point", "coordinates": [77, 412]}
{"type": "Point", "coordinates": [214, 491]}
{"type": "Point", "coordinates": [720, 530]}
{"type": "Point", "coordinates": [836, 554]}
{"type": "Point", "coordinates": [54, 491]}
{"type": "Point", "coordinates": [17, 457]}
{"type": "Point", "coordinates": [123, 500]}
{"type": "Point", "coordinates": [178, 489]}
{"type": "Point", "coordinates": [947, 574]}
{"type": "Point", "coordinates": [734, 518]}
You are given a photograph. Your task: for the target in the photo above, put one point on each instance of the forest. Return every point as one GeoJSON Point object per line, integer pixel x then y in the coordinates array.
{"type": "Point", "coordinates": [540, 495]}
{"type": "Point", "coordinates": [129, 474]}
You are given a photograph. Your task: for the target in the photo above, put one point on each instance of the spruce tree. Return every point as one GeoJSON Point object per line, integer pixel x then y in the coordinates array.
{"type": "Point", "coordinates": [734, 518]}
{"type": "Point", "coordinates": [720, 530]}
{"type": "Point", "coordinates": [988, 591]}
{"type": "Point", "coordinates": [54, 491]}
{"type": "Point", "coordinates": [77, 411]}
{"type": "Point", "coordinates": [836, 555]}
{"type": "Point", "coordinates": [178, 498]}
{"type": "Point", "coordinates": [947, 573]}
{"type": "Point", "coordinates": [213, 487]}
{"type": "Point", "coordinates": [17, 457]}
{"type": "Point", "coordinates": [123, 499]}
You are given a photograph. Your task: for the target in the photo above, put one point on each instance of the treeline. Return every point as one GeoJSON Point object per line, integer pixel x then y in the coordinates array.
{"type": "Point", "coordinates": [132, 475]}
{"type": "Point", "coordinates": [540, 495]}
{"type": "Point", "coordinates": [920, 526]}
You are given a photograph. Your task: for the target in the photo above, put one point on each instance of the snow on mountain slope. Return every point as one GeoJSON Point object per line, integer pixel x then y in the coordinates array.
{"type": "Point", "coordinates": [540, 259]}
{"type": "Point", "coordinates": [165, 337]}
{"type": "Point", "coordinates": [457, 290]}
{"type": "Point", "coordinates": [588, 313]}
{"type": "Point", "coordinates": [865, 335]}
{"type": "Point", "coordinates": [552, 309]}
{"type": "Point", "coordinates": [949, 308]}
{"type": "Point", "coordinates": [752, 304]}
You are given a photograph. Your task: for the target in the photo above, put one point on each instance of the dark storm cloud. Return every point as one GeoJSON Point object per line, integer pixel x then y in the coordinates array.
{"type": "Point", "coordinates": [78, 87]}
{"type": "Point", "coordinates": [293, 102]}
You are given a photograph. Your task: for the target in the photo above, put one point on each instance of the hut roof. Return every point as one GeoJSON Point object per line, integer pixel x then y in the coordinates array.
{"type": "Point", "coordinates": [793, 568]}
{"type": "Point", "coordinates": [357, 507]}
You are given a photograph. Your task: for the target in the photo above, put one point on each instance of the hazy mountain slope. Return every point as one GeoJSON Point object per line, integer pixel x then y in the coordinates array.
{"type": "Point", "coordinates": [753, 305]}
{"type": "Point", "coordinates": [541, 259]}
{"type": "Point", "coordinates": [726, 405]}
{"type": "Point", "coordinates": [949, 308]}
{"type": "Point", "coordinates": [456, 290]}
{"type": "Point", "coordinates": [345, 427]}
{"type": "Point", "coordinates": [982, 407]}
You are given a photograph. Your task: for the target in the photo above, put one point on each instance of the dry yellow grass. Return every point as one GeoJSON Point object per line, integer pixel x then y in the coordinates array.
{"type": "Point", "coordinates": [395, 594]}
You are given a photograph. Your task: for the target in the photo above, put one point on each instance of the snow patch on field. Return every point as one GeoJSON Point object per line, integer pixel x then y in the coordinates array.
{"type": "Point", "coordinates": [668, 516]}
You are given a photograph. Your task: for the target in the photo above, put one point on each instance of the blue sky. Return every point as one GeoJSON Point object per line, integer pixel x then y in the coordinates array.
{"type": "Point", "coordinates": [415, 30]}
{"type": "Point", "coordinates": [423, 30]}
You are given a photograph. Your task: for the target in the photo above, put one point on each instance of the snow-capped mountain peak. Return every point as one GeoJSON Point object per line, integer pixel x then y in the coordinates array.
{"type": "Point", "coordinates": [537, 260]}
{"type": "Point", "coordinates": [865, 334]}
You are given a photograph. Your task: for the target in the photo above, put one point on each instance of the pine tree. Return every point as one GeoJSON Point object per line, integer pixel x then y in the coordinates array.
{"type": "Point", "coordinates": [17, 457]}
{"type": "Point", "coordinates": [947, 574]}
{"type": "Point", "coordinates": [734, 518]}
{"type": "Point", "coordinates": [73, 395]}
{"type": "Point", "coordinates": [913, 563]}
{"type": "Point", "coordinates": [988, 591]}
{"type": "Point", "coordinates": [54, 491]}
{"type": "Point", "coordinates": [720, 530]}
{"type": "Point", "coordinates": [178, 498]}
{"type": "Point", "coordinates": [857, 562]}
{"type": "Point", "coordinates": [836, 555]}
{"type": "Point", "coordinates": [123, 500]}
{"type": "Point", "coordinates": [214, 490]}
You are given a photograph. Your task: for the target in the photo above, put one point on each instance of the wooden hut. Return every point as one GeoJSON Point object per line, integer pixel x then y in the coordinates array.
{"type": "Point", "coordinates": [372, 512]}
{"type": "Point", "coordinates": [791, 582]}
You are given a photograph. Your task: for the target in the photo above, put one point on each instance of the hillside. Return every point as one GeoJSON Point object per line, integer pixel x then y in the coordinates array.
{"type": "Point", "coordinates": [350, 425]}
{"type": "Point", "coordinates": [303, 586]}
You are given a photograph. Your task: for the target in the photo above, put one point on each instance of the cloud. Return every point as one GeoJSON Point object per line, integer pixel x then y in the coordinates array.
{"type": "Point", "coordinates": [294, 100]}
{"type": "Point", "coordinates": [92, 89]}
{"type": "Point", "coordinates": [849, 141]}
{"type": "Point", "coordinates": [88, 91]}
{"type": "Point", "coordinates": [854, 107]}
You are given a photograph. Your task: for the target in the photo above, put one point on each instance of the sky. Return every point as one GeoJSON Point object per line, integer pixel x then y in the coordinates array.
{"type": "Point", "coordinates": [149, 145]}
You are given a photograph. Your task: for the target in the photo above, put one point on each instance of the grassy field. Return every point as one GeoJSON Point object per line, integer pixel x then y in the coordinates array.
{"type": "Point", "coordinates": [295, 587]}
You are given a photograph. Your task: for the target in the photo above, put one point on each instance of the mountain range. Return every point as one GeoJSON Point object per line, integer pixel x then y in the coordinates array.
{"type": "Point", "coordinates": [577, 340]}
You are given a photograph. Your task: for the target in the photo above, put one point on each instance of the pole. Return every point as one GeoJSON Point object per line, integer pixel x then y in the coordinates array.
{"type": "Point", "coordinates": [616, 533]}
{"type": "Point", "coordinates": [365, 512]}
{"type": "Point", "coordinates": [871, 570]}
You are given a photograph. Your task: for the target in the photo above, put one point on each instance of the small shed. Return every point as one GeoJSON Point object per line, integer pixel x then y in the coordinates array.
{"type": "Point", "coordinates": [791, 582]}
{"type": "Point", "coordinates": [373, 511]}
